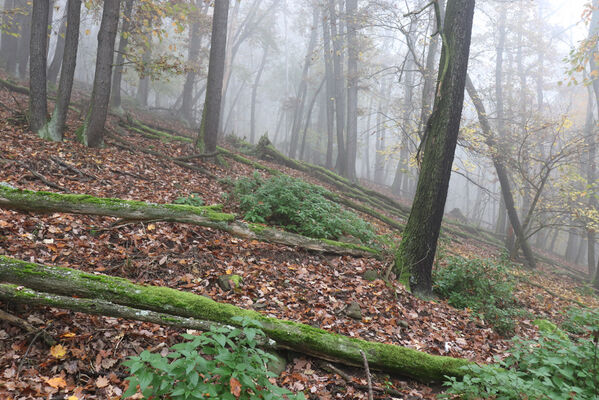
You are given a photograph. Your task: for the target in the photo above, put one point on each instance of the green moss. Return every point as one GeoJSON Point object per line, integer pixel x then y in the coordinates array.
{"type": "Point", "coordinates": [351, 246]}
{"type": "Point", "coordinates": [257, 228]}
{"type": "Point", "coordinates": [159, 133]}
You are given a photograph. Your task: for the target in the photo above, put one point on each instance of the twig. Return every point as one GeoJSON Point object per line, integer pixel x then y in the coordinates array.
{"type": "Point", "coordinates": [194, 156]}
{"type": "Point", "coordinates": [331, 368]}
{"type": "Point", "coordinates": [26, 326]}
{"type": "Point", "coordinates": [368, 377]}
{"type": "Point", "coordinates": [131, 174]}
{"type": "Point", "coordinates": [39, 176]}
{"type": "Point", "coordinates": [27, 352]}
{"type": "Point", "coordinates": [69, 167]}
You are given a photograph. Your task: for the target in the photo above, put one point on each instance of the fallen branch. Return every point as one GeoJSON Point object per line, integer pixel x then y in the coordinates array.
{"type": "Point", "coordinates": [71, 168]}
{"type": "Point", "coordinates": [331, 368]}
{"type": "Point", "coordinates": [208, 216]}
{"type": "Point", "coordinates": [287, 334]}
{"type": "Point", "coordinates": [39, 176]}
{"type": "Point", "coordinates": [27, 327]}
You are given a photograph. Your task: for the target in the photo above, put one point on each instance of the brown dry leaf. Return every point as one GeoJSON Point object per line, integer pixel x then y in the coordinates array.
{"type": "Point", "coordinates": [102, 382]}
{"type": "Point", "coordinates": [57, 382]}
{"type": "Point", "coordinates": [58, 351]}
{"type": "Point", "coordinates": [235, 387]}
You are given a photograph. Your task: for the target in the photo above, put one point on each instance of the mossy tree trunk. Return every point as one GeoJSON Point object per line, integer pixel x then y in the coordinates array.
{"type": "Point", "coordinates": [416, 253]}
{"type": "Point", "coordinates": [208, 216]}
{"type": "Point", "coordinates": [66, 282]}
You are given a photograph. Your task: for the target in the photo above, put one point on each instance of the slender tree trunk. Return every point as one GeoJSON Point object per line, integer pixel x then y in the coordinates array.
{"type": "Point", "coordinates": [24, 19]}
{"type": "Point", "coordinates": [330, 91]}
{"type": "Point", "coordinates": [55, 65]}
{"type": "Point", "coordinates": [309, 118]}
{"type": "Point", "coordinates": [351, 10]}
{"type": "Point", "coordinates": [55, 127]}
{"type": "Point", "coordinates": [232, 109]}
{"type": "Point", "coordinates": [379, 157]}
{"type": "Point", "coordinates": [92, 132]}
{"type": "Point", "coordinates": [367, 146]}
{"type": "Point", "coordinates": [501, 174]}
{"type": "Point", "coordinates": [502, 215]}
{"type": "Point", "coordinates": [208, 135]}
{"type": "Point", "coordinates": [416, 253]}
{"type": "Point", "coordinates": [339, 87]}
{"type": "Point", "coordinates": [591, 172]}
{"type": "Point", "coordinates": [143, 86]}
{"type": "Point", "coordinates": [303, 87]}
{"type": "Point", "coordinates": [115, 98]}
{"type": "Point", "coordinates": [38, 103]}
{"type": "Point", "coordinates": [255, 93]}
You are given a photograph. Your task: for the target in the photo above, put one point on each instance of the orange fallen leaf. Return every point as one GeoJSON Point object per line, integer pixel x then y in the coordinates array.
{"type": "Point", "coordinates": [235, 387]}
{"type": "Point", "coordinates": [58, 351]}
{"type": "Point", "coordinates": [57, 382]}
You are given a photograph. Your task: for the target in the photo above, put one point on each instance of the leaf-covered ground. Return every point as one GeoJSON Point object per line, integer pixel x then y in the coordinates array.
{"type": "Point", "coordinates": [279, 281]}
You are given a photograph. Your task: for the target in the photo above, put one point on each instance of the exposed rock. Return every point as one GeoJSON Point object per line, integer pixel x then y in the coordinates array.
{"type": "Point", "coordinates": [229, 282]}
{"type": "Point", "coordinates": [370, 275]}
{"type": "Point", "coordinates": [354, 311]}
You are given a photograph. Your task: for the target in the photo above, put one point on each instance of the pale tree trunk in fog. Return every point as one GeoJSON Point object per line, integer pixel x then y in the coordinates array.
{"type": "Point", "coordinates": [339, 88]}
{"type": "Point", "coordinates": [379, 146]}
{"type": "Point", "coordinates": [572, 245]}
{"type": "Point", "coordinates": [117, 77]}
{"type": "Point", "coordinates": [303, 88]}
{"type": "Point", "coordinates": [143, 86]}
{"type": "Point", "coordinates": [38, 104]}
{"type": "Point", "coordinates": [195, 45]}
{"type": "Point", "coordinates": [9, 44]}
{"type": "Point", "coordinates": [330, 90]}
{"type": "Point", "coordinates": [496, 155]}
{"type": "Point", "coordinates": [591, 171]}
{"type": "Point", "coordinates": [416, 253]}
{"type": "Point", "coordinates": [92, 134]}
{"type": "Point", "coordinates": [208, 135]}
{"type": "Point", "coordinates": [25, 36]}
{"type": "Point", "coordinates": [233, 105]}
{"type": "Point", "coordinates": [309, 118]}
{"type": "Point", "coordinates": [55, 127]}
{"type": "Point", "coordinates": [367, 144]}
{"type": "Point", "coordinates": [502, 214]}
{"type": "Point", "coordinates": [351, 9]}
{"type": "Point", "coordinates": [255, 93]}
{"type": "Point", "coordinates": [55, 65]}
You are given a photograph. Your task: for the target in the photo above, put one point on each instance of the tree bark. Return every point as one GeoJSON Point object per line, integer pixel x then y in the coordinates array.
{"type": "Point", "coordinates": [309, 118]}
{"type": "Point", "coordinates": [38, 102]}
{"type": "Point", "coordinates": [56, 63]}
{"type": "Point", "coordinates": [351, 10]}
{"type": "Point", "coordinates": [92, 132]}
{"type": "Point", "coordinates": [501, 29]}
{"type": "Point", "coordinates": [255, 93]}
{"type": "Point", "coordinates": [330, 91]}
{"type": "Point", "coordinates": [143, 86]}
{"type": "Point", "coordinates": [417, 249]}
{"type": "Point", "coordinates": [501, 175]}
{"type": "Point", "coordinates": [339, 87]}
{"type": "Point", "coordinates": [287, 334]}
{"type": "Point", "coordinates": [24, 21]}
{"type": "Point", "coordinates": [9, 44]}
{"type": "Point", "coordinates": [209, 128]}
{"type": "Point", "coordinates": [45, 202]}
{"type": "Point", "coordinates": [55, 127]}
{"type": "Point", "coordinates": [115, 98]}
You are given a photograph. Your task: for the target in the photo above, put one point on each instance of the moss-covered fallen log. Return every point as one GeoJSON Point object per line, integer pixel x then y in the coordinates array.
{"type": "Point", "coordinates": [298, 337]}
{"type": "Point", "coordinates": [208, 216]}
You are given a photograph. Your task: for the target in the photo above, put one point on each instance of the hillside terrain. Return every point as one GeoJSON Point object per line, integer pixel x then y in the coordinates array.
{"type": "Point", "coordinates": [280, 281]}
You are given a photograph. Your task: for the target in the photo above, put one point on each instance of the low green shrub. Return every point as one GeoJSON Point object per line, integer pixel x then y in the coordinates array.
{"type": "Point", "coordinates": [552, 368]}
{"type": "Point", "coordinates": [484, 286]}
{"type": "Point", "coordinates": [193, 199]}
{"type": "Point", "coordinates": [224, 363]}
{"type": "Point", "coordinates": [298, 207]}
{"type": "Point", "coordinates": [581, 321]}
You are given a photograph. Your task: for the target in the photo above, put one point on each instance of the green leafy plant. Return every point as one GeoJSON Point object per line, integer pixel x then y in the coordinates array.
{"type": "Point", "coordinates": [581, 321]}
{"type": "Point", "coordinates": [224, 363]}
{"type": "Point", "coordinates": [552, 368]}
{"type": "Point", "coordinates": [298, 207]}
{"type": "Point", "coordinates": [193, 199]}
{"type": "Point", "coordinates": [484, 286]}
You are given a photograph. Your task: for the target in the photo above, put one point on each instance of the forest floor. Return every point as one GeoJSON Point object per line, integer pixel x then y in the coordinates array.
{"type": "Point", "coordinates": [278, 281]}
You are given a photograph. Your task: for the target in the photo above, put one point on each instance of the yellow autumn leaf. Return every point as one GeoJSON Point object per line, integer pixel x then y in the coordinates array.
{"type": "Point", "coordinates": [87, 32]}
{"type": "Point", "coordinates": [151, 227]}
{"type": "Point", "coordinates": [57, 382]}
{"type": "Point", "coordinates": [72, 398]}
{"type": "Point", "coordinates": [58, 351]}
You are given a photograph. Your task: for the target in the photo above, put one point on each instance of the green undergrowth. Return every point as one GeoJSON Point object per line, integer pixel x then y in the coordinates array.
{"type": "Point", "coordinates": [553, 367]}
{"type": "Point", "coordinates": [483, 286]}
{"type": "Point", "coordinates": [299, 207]}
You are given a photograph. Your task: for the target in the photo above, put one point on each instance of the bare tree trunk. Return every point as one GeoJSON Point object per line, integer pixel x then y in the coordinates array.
{"type": "Point", "coordinates": [208, 135]}
{"type": "Point", "coordinates": [24, 20]}
{"type": "Point", "coordinates": [351, 10]}
{"type": "Point", "coordinates": [143, 86]}
{"type": "Point", "coordinates": [55, 127]}
{"type": "Point", "coordinates": [501, 174]}
{"type": "Point", "coordinates": [330, 91]}
{"type": "Point", "coordinates": [255, 93]}
{"type": "Point", "coordinates": [92, 133]}
{"type": "Point", "coordinates": [416, 253]}
{"type": "Point", "coordinates": [38, 102]}
{"type": "Point", "coordinates": [115, 99]}
{"type": "Point", "coordinates": [339, 88]}
{"type": "Point", "coordinates": [309, 118]}
{"type": "Point", "coordinates": [303, 87]}
{"type": "Point", "coordinates": [55, 65]}
{"type": "Point", "coordinates": [502, 214]}
{"type": "Point", "coordinates": [367, 146]}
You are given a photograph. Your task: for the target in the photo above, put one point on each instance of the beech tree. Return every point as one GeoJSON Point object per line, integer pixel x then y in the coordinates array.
{"type": "Point", "coordinates": [92, 132]}
{"type": "Point", "coordinates": [38, 105]}
{"type": "Point", "coordinates": [416, 253]}
{"type": "Point", "coordinates": [209, 128]}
